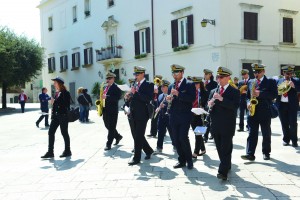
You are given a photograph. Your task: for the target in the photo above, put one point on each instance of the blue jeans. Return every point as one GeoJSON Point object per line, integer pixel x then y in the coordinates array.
{"type": "Point", "coordinates": [83, 110]}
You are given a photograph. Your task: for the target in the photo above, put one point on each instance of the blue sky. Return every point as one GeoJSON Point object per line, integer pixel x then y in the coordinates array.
{"type": "Point", "coordinates": [22, 16]}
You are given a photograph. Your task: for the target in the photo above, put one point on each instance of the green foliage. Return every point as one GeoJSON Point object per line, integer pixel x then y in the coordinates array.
{"type": "Point", "coordinates": [140, 56]}
{"type": "Point", "coordinates": [96, 90]}
{"type": "Point", "coordinates": [120, 82]}
{"type": "Point", "coordinates": [21, 59]}
{"type": "Point", "coordinates": [180, 48]}
{"type": "Point", "coordinates": [297, 73]}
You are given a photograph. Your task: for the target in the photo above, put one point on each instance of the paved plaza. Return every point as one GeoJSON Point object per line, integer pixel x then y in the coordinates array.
{"type": "Point", "coordinates": [92, 173]}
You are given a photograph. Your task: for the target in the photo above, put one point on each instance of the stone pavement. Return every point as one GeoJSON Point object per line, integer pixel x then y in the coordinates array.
{"type": "Point", "coordinates": [92, 173]}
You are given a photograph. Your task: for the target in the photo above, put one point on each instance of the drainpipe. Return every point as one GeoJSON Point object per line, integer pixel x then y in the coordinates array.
{"type": "Point", "coordinates": [153, 49]}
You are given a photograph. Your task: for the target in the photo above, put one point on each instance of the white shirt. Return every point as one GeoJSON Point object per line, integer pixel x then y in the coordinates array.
{"type": "Point", "coordinates": [225, 87]}
{"type": "Point", "coordinates": [180, 82]}
{"type": "Point", "coordinates": [140, 82]}
{"type": "Point", "coordinates": [22, 97]}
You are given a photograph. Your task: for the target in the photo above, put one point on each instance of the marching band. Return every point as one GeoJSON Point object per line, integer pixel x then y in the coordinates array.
{"type": "Point", "coordinates": [169, 107]}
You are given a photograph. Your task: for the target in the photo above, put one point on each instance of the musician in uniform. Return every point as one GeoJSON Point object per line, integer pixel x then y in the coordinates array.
{"type": "Point", "coordinates": [163, 119]}
{"type": "Point", "coordinates": [112, 95]}
{"type": "Point", "coordinates": [223, 102]}
{"type": "Point", "coordinates": [236, 81]}
{"type": "Point", "coordinates": [242, 86]}
{"type": "Point", "coordinates": [288, 104]}
{"type": "Point", "coordinates": [210, 84]}
{"type": "Point", "coordinates": [182, 94]}
{"type": "Point", "coordinates": [264, 90]}
{"type": "Point", "coordinates": [197, 120]}
{"type": "Point", "coordinates": [142, 95]}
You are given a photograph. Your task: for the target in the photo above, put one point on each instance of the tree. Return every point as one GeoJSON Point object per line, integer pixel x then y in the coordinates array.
{"type": "Point", "coordinates": [21, 60]}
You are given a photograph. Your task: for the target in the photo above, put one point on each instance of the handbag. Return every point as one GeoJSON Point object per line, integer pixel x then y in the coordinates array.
{"type": "Point", "coordinates": [73, 114]}
{"type": "Point", "coordinates": [274, 110]}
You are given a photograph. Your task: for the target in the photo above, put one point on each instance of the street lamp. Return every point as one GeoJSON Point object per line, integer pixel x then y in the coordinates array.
{"type": "Point", "coordinates": [205, 21]}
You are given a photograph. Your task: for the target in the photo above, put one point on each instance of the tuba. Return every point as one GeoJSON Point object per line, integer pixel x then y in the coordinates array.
{"type": "Point", "coordinates": [232, 84]}
{"type": "Point", "coordinates": [284, 87]}
{"type": "Point", "coordinates": [253, 100]}
{"type": "Point", "coordinates": [100, 103]}
{"type": "Point", "coordinates": [157, 81]}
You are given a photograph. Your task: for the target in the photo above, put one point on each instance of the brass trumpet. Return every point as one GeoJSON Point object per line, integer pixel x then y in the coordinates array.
{"type": "Point", "coordinates": [253, 100]}
{"type": "Point", "coordinates": [157, 81]}
{"type": "Point", "coordinates": [284, 87]}
{"type": "Point", "coordinates": [243, 89]}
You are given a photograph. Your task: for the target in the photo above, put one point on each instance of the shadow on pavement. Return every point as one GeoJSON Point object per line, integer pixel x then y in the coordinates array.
{"type": "Point", "coordinates": [61, 165]}
{"type": "Point", "coordinates": [17, 111]}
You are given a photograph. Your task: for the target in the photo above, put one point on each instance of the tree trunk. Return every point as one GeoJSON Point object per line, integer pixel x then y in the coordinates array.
{"type": "Point", "coordinates": [4, 88]}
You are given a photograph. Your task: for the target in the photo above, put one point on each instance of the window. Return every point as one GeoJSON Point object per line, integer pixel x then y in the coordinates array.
{"type": "Point", "coordinates": [248, 67]}
{"type": "Point", "coordinates": [250, 26]}
{"type": "Point", "coordinates": [112, 43]}
{"type": "Point", "coordinates": [63, 63]}
{"type": "Point", "coordinates": [288, 30]}
{"type": "Point", "coordinates": [74, 14]}
{"type": "Point", "coordinates": [87, 8]}
{"type": "Point", "coordinates": [51, 64]}
{"type": "Point", "coordinates": [88, 56]}
{"type": "Point", "coordinates": [182, 31]}
{"type": "Point", "coordinates": [142, 41]}
{"type": "Point", "coordinates": [75, 60]}
{"type": "Point", "coordinates": [111, 3]}
{"type": "Point", "coordinates": [50, 23]}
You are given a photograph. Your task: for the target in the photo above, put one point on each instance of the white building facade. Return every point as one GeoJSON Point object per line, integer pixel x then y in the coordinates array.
{"type": "Point", "coordinates": [84, 39]}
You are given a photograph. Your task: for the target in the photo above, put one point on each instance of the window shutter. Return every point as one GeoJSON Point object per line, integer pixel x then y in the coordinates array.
{"type": "Point", "coordinates": [53, 67]}
{"type": "Point", "coordinates": [49, 64]}
{"type": "Point", "coordinates": [190, 29]}
{"type": "Point", "coordinates": [73, 60]}
{"type": "Point", "coordinates": [61, 62]}
{"type": "Point", "coordinates": [148, 46]}
{"type": "Point", "coordinates": [91, 56]}
{"type": "Point", "coordinates": [85, 57]}
{"type": "Point", "coordinates": [66, 61]}
{"type": "Point", "coordinates": [78, 64]}
{"type": "Point", "coordinates": [288, 30]}
{"type": "Point", "coordinates": [137, 42]}
{"type": "Point", "coordinates": [174, 28]}
{"type": "Point", "coordinates": [250, 25]}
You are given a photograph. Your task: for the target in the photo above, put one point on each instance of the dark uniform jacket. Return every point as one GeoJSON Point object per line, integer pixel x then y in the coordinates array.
{"type": "Point", "coordinates": [268, 92]}
{"type": "Point", "coordinates": [183, 103]}
{"type": "Point", "coordinates": [292, 94]}
{"type": "Point", "coordinates": [140, 100]}
{"type": "Point", "coordinates": [223, 113]}
{"type": "Point", "coordinates": [113, 97]}
{"type": "Point", "coordinates": [44, 98]}
{"type": "Point", "coordinates": [211, 85]}
{"type": "Point", "coordinates": [61, 103]}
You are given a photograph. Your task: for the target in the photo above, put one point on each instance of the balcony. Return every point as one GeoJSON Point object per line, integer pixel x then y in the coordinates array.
{"type": "Point", "coordinates": [109, 55]}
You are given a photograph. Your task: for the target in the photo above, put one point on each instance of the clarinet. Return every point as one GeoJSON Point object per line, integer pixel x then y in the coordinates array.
{"type": "Point", "coordinates": [207, 119]}
{"type": "Point", "coordinates": [170, 102]}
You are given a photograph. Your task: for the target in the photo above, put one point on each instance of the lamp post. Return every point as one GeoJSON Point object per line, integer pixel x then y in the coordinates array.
{"type": "Point", "coordinates": [205, 21]}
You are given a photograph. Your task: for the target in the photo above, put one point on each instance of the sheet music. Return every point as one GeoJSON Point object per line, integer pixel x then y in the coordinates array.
{"type": "Point", "coordinates": [124, 87]}
{"type": "Point", "coordinates": [199, 111]}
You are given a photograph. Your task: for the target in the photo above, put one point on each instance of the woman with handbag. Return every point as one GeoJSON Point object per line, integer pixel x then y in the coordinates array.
{"type": "Point", "coordinates": [61, 106]}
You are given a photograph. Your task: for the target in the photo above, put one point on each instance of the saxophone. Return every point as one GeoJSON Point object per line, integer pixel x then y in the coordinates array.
{"type": "Point", "coordinates": [253, 100]}
{"type": "Point", "coordinates": [100, 103]}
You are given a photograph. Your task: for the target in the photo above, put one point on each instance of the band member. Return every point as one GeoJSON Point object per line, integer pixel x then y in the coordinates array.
{"type": "Point", "coordinates": [163, 119]}
{"type": "Point", "coordinates": [224, 102]}
{"type": "Point", "coordinates": [236, 81]}
{"type": "Point", "coordinates": [142, 95]}
{"type": "Point", "coordinates": [181, 96]}
{"type": "Point", "coordinates": [44, 98]}
{"type": "Point", "coordinates": [154, 102]}
{"type": "Point", "coordinates": [22, 100]}
{"type": "Point", "coordinates": [197, 120]}
{"type": "Point", "coordinates": [242, 86]}
{"type": "Point", "coordinates": [264, 90]}
{"type": "Point", "coordinates": [112, 95]}
{"type": "Point", "coordinates": [59, 117]}
{"type": "Point", "coordinates": [127, 100]}
{"type": "Point", "coordinates": [210, 84]}
{"type": "Point", "coordinates": [288, 104]}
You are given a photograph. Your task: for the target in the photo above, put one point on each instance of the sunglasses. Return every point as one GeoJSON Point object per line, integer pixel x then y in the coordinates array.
{"type": "Point", "coordinates": [175, 73]}
{"type": "Point", "coordinates": [257, 72]}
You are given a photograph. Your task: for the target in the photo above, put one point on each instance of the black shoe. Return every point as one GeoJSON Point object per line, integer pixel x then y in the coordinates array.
{"type": "Point", "coordinates": [190, 166]}
{"type": "Point", "coordinates": [266, 157]}
{"type": "Point", "coordinates": [222, 177]}
{"type": "Point", "coordinates": [47, 125]}
{"type": "Point", "coordinates": [48, 155]}
{"type": "Point", "coordinates": [118, 140]}
{"type": "Point", "coordinates": [240, 130]}
{"type": "Point", "coordinates": [179, 165]}
{"type": "Point", "coordinates": [285, 143]}
{"type": "Point", "coordinates": [205, 139]}
{"type": "Point", "coordinates": [132, 151]}
{"type": "Point", "coordinates": [295, 145]}
{"type": "Point", "coordinates": [37, 124]}
{"type": "Point", "coordinates": [211, 137]}
{"type": "Point", "coordinates": [248, 157]}
{"type": "Point", "coordinates": [148, 156]}
{"type": "Point", "coordinates": [66, 154]}
{"type": "Point", "coordinates": [150, 135]}
{"type": "Point", "coordinates": [202, 153]}
{"type": "Point", "coordinates": [107, 148]}
{"type": "Point", "coordinates": [133, 162]}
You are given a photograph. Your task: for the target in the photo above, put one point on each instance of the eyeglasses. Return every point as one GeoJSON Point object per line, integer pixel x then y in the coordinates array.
{"type": "Point", "coordinates": [175, 73]}
{"type": "Point", "coordinates": [257, 72]}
